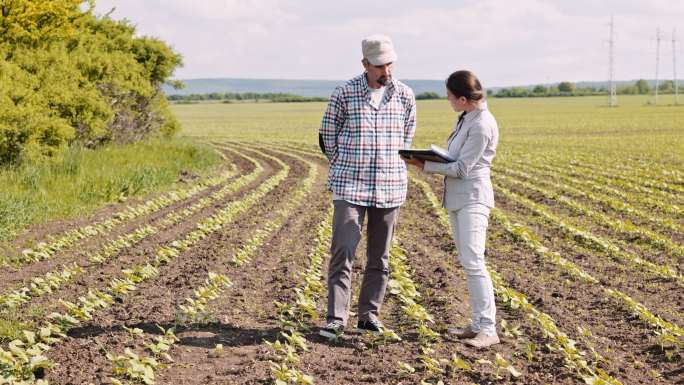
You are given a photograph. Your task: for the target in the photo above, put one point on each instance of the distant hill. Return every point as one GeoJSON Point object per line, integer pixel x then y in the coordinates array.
{"type": "Point", "coordinates": [323, 88]}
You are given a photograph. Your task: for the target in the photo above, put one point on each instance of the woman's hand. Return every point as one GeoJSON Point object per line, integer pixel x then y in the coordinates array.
{"type": "Point", "coordinates": [414, 161]}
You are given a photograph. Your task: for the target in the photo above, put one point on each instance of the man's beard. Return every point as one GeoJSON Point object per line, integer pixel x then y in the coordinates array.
{"type": "Point", "coordinates": [382, 80]}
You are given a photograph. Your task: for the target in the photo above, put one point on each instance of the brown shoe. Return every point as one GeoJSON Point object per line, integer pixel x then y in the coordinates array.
{"type": "Point", "coordinates": [460, 333]}
{"type": "Point", "coordinates": [482, 340]}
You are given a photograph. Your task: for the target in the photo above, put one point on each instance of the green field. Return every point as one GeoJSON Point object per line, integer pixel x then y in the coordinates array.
{"type": "Point", "coordinates": [222, 279]}
{"type": "Point", "coordinates": [573, 126]}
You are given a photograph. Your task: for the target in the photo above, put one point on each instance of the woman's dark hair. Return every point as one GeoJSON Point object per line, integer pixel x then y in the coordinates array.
{"type": "Point", "coordinates": [465, 83]}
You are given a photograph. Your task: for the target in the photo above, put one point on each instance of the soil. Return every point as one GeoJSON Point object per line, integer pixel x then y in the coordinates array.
{"type": "Point", "coordinates": [15, 277]}
{"type": "Point", "coordinates": [245, 316]}
{"type": "Point", "coordinates": [652, 291]}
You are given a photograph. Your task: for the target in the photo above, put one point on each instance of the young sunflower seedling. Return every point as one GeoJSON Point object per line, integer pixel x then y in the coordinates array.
{"type": "Point", "coordinates": [134, 332]}
{"type": "Point", "coordinates": [217, 351]}
{"type": "Point", "coordinates": [509, 330]}
{"type": "Point", "coordinates": [405, 369]}
{"type": "Point", "coordinates": [457, 364]}
{"type": "Point", "coordinates": [133, 367]}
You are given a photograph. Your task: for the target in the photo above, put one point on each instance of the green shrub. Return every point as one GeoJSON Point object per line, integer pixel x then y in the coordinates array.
{"type": "Point", "coordinates": [427, 95]}
{"type": "Point", "coordinates": [68, 76]}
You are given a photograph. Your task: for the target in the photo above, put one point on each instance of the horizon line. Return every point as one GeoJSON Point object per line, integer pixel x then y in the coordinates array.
{"type": "Point", "coordinates": [430, 80]}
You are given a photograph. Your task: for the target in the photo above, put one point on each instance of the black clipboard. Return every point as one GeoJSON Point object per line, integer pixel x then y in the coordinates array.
{"type": "Point", "coordinates": [434, 154]}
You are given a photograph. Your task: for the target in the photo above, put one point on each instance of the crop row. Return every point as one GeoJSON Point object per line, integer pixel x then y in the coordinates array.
{"type": "Point", "coordinates": [25, 356]}
{"type": "Point", "coordinates": [574, 358]}
{"type": "Point", "coordinates": [37, 286]}
{"type": "Point", "coordinates": [665, 330]}
{"type": "Point", "coordinates": [642, 177]}
{"type": "Point", "coordinates": [140, 368]}
{"type": "Point", "coordinates": [616, 204]}
{"type": "Point", "coordinates": [404, 288]}
{"type": "Point", "coordinates": [602, 187]}
{"type": "Point", "coordinates": [652, 238]}
{"type": "Point", "coordinates": [592, 241]}
{"type": "Point", "coordinates": [645, 174]}
{"type": "Point", "coordinates": [45, 250]}
{"type": "Point", "coordinates": [619, 184]}
{"type": "Point", "coordinates": [295, 317]}
{"type": "Point", "coordinates": [195, 309]}
{"type": "Point", "coordinates": [662, 171]}
{"type": "Point", "coordinates": [295, 199]}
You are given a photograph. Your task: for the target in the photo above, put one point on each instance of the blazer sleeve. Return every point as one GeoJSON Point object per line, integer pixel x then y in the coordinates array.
{"type": "Point", "coordinates": [477, 141]}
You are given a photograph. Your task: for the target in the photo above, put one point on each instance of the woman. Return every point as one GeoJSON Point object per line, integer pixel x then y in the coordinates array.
{"type": "Point", "coordinates": [468, 197]}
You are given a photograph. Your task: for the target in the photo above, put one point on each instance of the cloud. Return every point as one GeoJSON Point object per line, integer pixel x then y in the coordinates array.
{"type": "Point", "coordinates": [526, 42]}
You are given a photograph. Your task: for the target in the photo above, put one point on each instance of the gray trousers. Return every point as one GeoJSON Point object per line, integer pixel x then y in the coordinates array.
{"type": "Point", "coordinates": [347, 224]}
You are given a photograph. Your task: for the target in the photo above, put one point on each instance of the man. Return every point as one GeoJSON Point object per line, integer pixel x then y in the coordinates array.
{"type": "Point", "coordinates": [367, 121]}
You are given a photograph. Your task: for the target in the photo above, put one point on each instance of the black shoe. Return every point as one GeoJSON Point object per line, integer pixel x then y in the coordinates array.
{"type": "Point", "coordinates": [373, 326]}
{"type": "Point", "coordinates": [332, 331]}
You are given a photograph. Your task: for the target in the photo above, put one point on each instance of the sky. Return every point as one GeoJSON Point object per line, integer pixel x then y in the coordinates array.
{"type": "Point", "coordinates": [504, 42]}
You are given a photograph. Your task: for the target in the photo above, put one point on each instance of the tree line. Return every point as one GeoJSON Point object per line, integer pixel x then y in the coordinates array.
{"type": "Point", "coordinates": [244, 96]}
{"type": "Point", "coordinates": [275, 97]}
{"type": "Point", "coordinates": [640, 87]}
{"type": "Point", "coordinates": [68, 76]}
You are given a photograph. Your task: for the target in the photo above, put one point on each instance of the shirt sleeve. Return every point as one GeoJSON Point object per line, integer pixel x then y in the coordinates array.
{"type": "Point", "coordinates": [410, 121]}
{"type": "Point", "coordinates": [471, 152]}
{"type": "Point", "coordinates": [333, 121]}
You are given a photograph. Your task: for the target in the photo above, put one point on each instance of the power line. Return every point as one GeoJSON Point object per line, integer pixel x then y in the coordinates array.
{"type": "Point", "coordinates": [674, 66]}
{"type": "Point", "coordinates": [657, 64]}
{"type": "Point", "coordinates": [612, 98]}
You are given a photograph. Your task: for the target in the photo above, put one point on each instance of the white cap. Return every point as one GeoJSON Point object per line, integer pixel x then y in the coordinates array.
{"type": "Point", "coordinates": [378, 49]}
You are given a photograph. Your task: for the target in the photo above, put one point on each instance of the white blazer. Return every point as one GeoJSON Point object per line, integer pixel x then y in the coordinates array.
{"type": "Point", "coordinates": [473, 145]}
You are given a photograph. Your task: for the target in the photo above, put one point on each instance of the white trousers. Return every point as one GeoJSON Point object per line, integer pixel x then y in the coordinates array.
{"type": "Point", "coordinates": [469, 229]}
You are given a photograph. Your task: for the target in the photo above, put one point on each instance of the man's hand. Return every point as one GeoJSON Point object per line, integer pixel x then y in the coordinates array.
{"type": "Point", "coordinates": [414, 161]}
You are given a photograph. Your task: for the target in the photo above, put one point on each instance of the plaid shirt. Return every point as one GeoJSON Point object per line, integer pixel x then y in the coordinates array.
{"type": "Point", "coordinates": [362, 143]}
